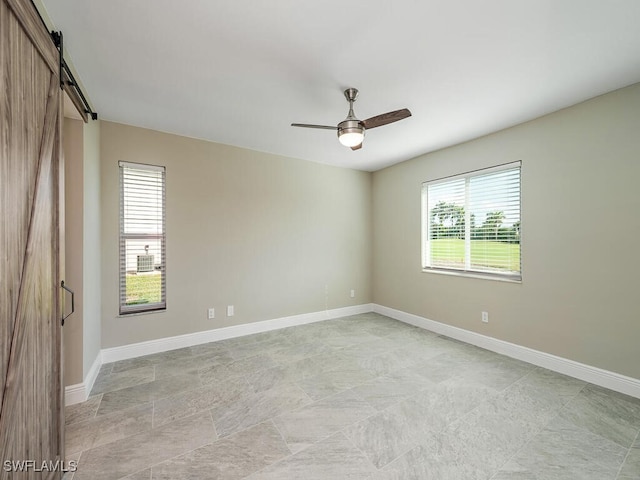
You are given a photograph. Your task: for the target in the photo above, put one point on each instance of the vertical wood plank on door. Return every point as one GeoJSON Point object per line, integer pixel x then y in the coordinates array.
{"type": "Point", "coordinates": [30, 378]}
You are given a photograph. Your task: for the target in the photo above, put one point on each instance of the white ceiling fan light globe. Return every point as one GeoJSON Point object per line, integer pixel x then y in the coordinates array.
{"type": "Point", "coordinates": [350, 131]}
{"type": "Point", "coordinates": [351, 137]}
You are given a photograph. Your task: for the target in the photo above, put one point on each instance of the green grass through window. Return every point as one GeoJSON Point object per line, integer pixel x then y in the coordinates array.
{"type": "Point", "coordinates": [144, 288]}
{"type": "Point", "coordinates": [449, 252]}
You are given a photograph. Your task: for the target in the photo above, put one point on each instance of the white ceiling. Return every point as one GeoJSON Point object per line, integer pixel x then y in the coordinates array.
{"type": "Point", "coordinates": [239, 72]}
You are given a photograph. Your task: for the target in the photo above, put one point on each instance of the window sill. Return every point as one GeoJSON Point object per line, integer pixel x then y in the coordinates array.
{"type": "Point", "coordinates": [145, 312]}
{"type": "Point", "coordinates": [481, 276]}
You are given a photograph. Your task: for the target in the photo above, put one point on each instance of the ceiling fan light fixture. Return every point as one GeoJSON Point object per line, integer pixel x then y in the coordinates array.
{"type": "Point", "coordinates": [350, 133]}
{"type": "Point", "coordinates": [351, 137]}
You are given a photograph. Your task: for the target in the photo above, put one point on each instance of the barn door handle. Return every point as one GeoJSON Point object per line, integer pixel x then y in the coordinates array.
{"type": "Point", "coordinates": [73, 306]}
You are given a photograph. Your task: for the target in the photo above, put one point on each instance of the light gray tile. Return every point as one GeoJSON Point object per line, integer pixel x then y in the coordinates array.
{"type": "Point", "coordinates": [267, 342]}
{"type": "Point", "coordinates": [233, 457]}
{"type": "Point", "coordinates": [209, 396]}
{"type": "Point", "coordinates": [631, 467]}
{"type": "Point", "coordinates": [307, 425]}
{"type": "Point", "coordinates": [143, 475]}
{"type": "Point", "coordinates": [334, 381]}
{"type": "Point", "coordinates": [273, 377]}
{"type": "Point", "coordinates": [424, 350]}
{"type": "Point", "coordinates": [71, 463]}
{"type": "Point", "coordinates": [439, 405]}
{"type": "Point", "coordinates": [386, 362]}
{"type": "Point", "coordinates": [192, 364]}
{"type": "Point", "coordinates": [105, 369]}
{"type": "Point", "coordinates": [495, 430]}
{"type": "Point", "coordinates": [563, 451]}
{"type": "Point", "coordinates": [331, 458]}
{"type": "Point", "coordinates": [124, 379]}
{"type": "Point", "coordinates": [132, 396]}
{"type": "Point", "coordinates": [132, 363]}
{"type": "Point", "coordinates": [536, 403]}
{"type": "Point", "coordinates": [273, 337]}
{"type": "Point", "coordinates": [392, 432]}
{"type": "Point", "coordinates": [367, 349]}
{"type": "Point", "coordinates": [104, 429]}
{"type": "Point", "coordinates": [153, 359]}
{"type": "Point", "coordinates": [472, 364]}
{"type": "Point", "coordinates": [138, 452]}
{"type": "Point", "coordinates": [562, 387]}
{"type": "Point", "coordinates": [498, 372]}
{"type": "Point", "coordinates": [445, 365]}
{"type": "Point", "coordinates": [245, 367]}
{"type": "Point", "coordinates": [298, 351]}
{"type": "Point", "coordinates": [297, 371]}
{"type": "Point", "coordinates": [441, 456]}
{"type": "Point", "coordinates": [255, 408]}
{"type": "Point", "coordinates": [610, 414]}
{"type": "Point", "coordinates": [409, 335]}
{"type": "Point", "coordinates": [375, 324]}
{"type": "Point", "coordinates": [82, 411]}
{"type": "Point", "coordinates": [383, 437]}
{"type": "Point", "coordinates": [211, 347]}
{"type": "Point", "coordinates": [345, 336]}
{"type": "Point", "coordinates": [309, 332]}
{"type": "Point", "coordinates": [387, 390]}
{"type": "Point", "coordinates": [419, 405]}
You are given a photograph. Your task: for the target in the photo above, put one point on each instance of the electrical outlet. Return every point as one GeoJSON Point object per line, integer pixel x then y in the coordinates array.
{"type": "Point", "coordinates": [229, 310]}
{"type": "Point", "coordinates": [353, 293]}
{"type": "Point", "coordinates": [212, 313]}
{"type": "Point", "coordinates": [485, 317]}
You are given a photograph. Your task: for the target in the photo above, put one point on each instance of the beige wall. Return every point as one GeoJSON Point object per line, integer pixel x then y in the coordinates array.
{"type": "Point", "coordinates": [580, 225]}
{"type": "Point", "coordinates": [74, 225]}
{"type": "Point", "coordinates": [82, 330]}
{"type": "Point", "coordinates": [91, 245]}
{"type": "Point", "coordinates": [272, 236]}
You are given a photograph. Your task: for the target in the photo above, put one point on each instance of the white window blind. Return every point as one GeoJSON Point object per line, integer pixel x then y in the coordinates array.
{"type": "Point", "coordinates": [471, 223]}
{"type": "Point", "coordinates": [142, 238]}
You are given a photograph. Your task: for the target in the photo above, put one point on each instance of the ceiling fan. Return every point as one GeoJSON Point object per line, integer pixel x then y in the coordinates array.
{"type": "Point", "coordinates": [351, 130]}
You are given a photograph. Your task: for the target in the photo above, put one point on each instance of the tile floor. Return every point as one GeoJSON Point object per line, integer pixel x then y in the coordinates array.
{"type": "Point", "coordinates": [363, 397]}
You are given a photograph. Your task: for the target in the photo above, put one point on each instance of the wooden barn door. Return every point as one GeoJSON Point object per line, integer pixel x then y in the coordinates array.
{"type": "Point", "coordinates": [31, 412]}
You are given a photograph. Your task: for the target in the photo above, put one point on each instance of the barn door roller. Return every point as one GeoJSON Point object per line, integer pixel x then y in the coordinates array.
{"type": "Point", "coordinates": [68, 81]}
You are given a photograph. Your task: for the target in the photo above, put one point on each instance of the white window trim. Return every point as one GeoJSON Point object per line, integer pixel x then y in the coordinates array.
{"type": "Point", "coordinates": [127, 310]}
{"type": "Point", "coordinates": [467, 272]}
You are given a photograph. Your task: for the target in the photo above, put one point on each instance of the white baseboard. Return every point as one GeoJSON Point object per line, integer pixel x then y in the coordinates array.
{"type": "Point", "coordinates": [79, 392]}
{"type": "Point", "coordinates": [76, 393]}
{"type": "Point", "coordinates": [124, 352]}
{"type": "Point", "coordinates": [597, 376]}
{"type": "Point", "coordinates": [92, 374]}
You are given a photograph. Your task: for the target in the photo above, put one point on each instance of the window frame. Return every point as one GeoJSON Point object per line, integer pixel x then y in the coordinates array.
{"type": "Point", "coordinates": [123, 308]}
{"type": "Point", "coordinates": [426, 226]}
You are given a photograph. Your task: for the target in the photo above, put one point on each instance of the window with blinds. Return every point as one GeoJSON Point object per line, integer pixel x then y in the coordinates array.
{"type": "Point", "coordinates": [142, 238]}
{"type": "Point", "coordinates": [471, 223]}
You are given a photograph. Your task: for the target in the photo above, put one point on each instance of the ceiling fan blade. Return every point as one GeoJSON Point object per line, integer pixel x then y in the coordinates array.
{"type": "Point", "coordinates": [307, 125]}
{"type": "Point", "coordinates": [386, 118]}
{"type": "Point", "coordinates": [357, 147]}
